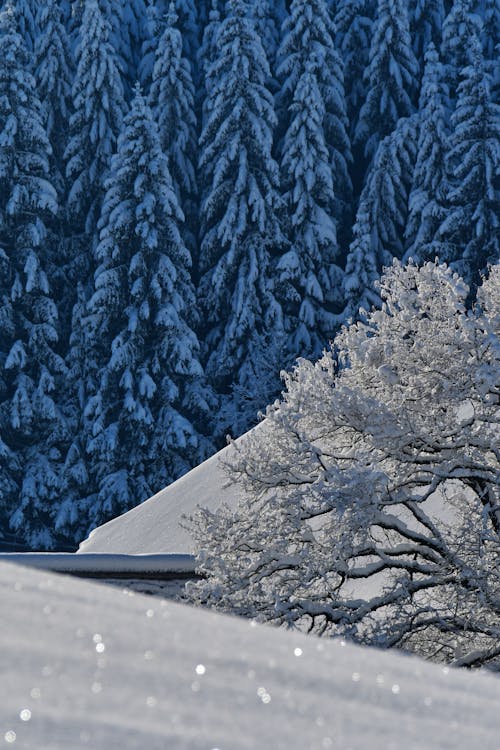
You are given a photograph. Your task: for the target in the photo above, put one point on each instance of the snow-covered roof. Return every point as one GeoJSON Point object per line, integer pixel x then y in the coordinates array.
{"type": "Point", "coordinates": [90, 666]}
{"type": "Point", "coordinates": [155, 525]}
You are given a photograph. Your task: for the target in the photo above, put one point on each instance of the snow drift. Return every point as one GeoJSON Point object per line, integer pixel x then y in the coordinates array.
{"type": "Point", "coordinates": [84, 665]}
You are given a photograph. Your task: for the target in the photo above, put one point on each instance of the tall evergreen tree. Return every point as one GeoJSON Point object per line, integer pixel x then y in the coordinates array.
{"type": "Point", "coordinates": [54, 71]}
{"type": "Point", "coordinates": [148, 371]}
{"type": "Point", "coordinates": [469, 235]}
{"type": "Point", "coordinates": [134, 34]}
{"type": "Point", "coordinates": [268, 29]}
{"type": "Point", "coordinates": [490, 14]}
{"type": "Point", "coordinates": [239, 220]}
{"type": "Point", "coordinates": [26, 11]}
{"type": "Point", "coordinates": [426, 24]}
{"type": "Point", "coordinates": [381, 217]}
{"type": "Point", "coordinates": [98, 111]}
{"type": "Point", "coordinates": [188, 25]}
{"type": "Point", "coordinates": [172, 101]}
{"type": "Point", "coordinates": [426, 198]}
{"type": "Point", "coordinates": [94, 126]}
{"type": "Point", "coordinates": [308, 44]}
{"type": "Point", "coordinates": [391, 76]}
{"type": "Point", "coordinates": [354, 24]}
{"type": "Point", "coordinates": [207, 55]}
{"type": "Point", "coordinates": [310, 280]}
{"type": "Point", "coordinates": [32, 428]}
{"type": "Point", "coordinates": [459, 26]}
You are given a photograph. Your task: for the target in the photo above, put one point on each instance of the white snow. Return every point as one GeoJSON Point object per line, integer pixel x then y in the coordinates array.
{"type": "Point", "coordinates": [155, 525]}
{"type": "Point", "coordinates": [90, 666]}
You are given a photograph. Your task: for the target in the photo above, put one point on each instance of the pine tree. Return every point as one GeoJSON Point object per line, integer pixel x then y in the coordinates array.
{"type": "Point", "coordinates": [207, 55]}
{"type": "Point", "coordinates": [308, 44]}
{"type": "Point", "coordinates": [381, 217]}
{"type": "Point", "coordinates": [239, 220]}
{"type": "Point", "coordinates": [426, 23]}
{"type": "Point", "coordinates": [172, 101]}
{"type": "Point", "coordinates": [134, 34]}
{"type": "Point", "coordinates": [459, 26]}
{"type": "Point", "coordinates": [354, 24]}
{"type": "Point", "coordinates": [26, 12]}
{"type": "Point", "coordinates": [426, 198]}
{"type": "Point", "coordinates": [141, 433]}
{"type": "Point", "coordinates": [54, 71]}
{"type": "Point", "coordinates": [391, 76]}
{"type": "Point", "coordinates": [308, 276]}
{"type": "Point", "coordinates": [489, 10]}
{"type": "Point", "coordinates": [188, 25]}
{"type": "Point", "coordinates": [98, 110]}
{"type": "Point", "coordinates": [32, 428]}
{"type": "Point", "coordinates": [268, 29]}
{"type": "Point", "coordinates": [470, 232]}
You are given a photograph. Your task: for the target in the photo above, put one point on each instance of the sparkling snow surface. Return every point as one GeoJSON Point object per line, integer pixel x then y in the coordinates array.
{"type": "Point", "coordinates": [155, 525]}
{"type": "Point", "coordinates": [86, 666]}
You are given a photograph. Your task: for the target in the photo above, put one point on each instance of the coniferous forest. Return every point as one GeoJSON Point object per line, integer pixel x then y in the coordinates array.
{"type": "Point", "coordinates": [193, 194]}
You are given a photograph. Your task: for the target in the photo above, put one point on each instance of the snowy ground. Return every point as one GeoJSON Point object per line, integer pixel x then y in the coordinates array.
{"type": "Point", "coordinates": [155, 525]}
{"type": "Point", "coordinates": [89, 666]}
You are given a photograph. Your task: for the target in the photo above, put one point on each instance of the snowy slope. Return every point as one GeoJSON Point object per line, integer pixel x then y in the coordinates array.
{"type": "Point", "coordinates": [155, 525]}
{"type": "Point", "coordinates": [84, 665]}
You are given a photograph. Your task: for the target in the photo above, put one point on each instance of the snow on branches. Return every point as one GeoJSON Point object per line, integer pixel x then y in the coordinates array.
{"type": "Point", "coordinates": [374, 486]}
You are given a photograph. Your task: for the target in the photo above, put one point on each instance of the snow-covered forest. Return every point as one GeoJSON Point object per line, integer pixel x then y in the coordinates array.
{"type": "Point", "coordinates": [195, 193]}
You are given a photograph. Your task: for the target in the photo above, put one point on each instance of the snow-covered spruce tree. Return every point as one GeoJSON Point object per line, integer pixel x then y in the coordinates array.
{"type": "Point", "coordinates": [98, 112]}
{"type": "Point", "coordinates": [188, 25]}
{"type": "Point", "coordinates": [207, 54]}
{"type": "Point", "coordinates": [381, 217]}
{"type": "Point", "coordinates": [135, 33]}
{"type": "Point", "coordinates": [32, 429]}
{"type": "Point", "coordinates": [426, 24]}
{"type": "Point", "coordinates": [489, 10]}
{"type": "Point", "coordinates": [172, 101]}
{"type": "Point", "coordinates": [354, 24]}
{"type": "Point", "coordinates": [469, 235]}
{"type": "Point", "coordinates": [268, 28]}
{"type": "Point", "coordinates": [391, 77]}
{"type": "Point", "coordinates": [239, 216]}
{"type": "Point", "coordinates": [459, 26]}
{"type": "Point", "coordinates": [54, 72]}
{"type": "Point", "coordinates": [426, 197]}
{"type": "Point", "coordinates": [310, 281]}
{"type": "Point", "coordinates": [372, 505]}
{"type": "Point", "coordinates": [149, 381]}
{"type": "Point", "coordinates": [308, 44]}
{"type": "Point", "coordinates": [26, 12]}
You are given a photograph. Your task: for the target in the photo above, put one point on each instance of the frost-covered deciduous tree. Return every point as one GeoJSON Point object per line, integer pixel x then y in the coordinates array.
{"type": "Point", "coordinates": [372, 505]}
{"type": "Point", "coordinates": [469, 235]}
{"type": "Point", "coordinates": [149, 382]}
{"type": "Point", "coordinates": [32, 427]}
{"type": "Point", "coordinates": [391, 76]}
{"type": "Point", "coordinates": [240, 229]}
{"type": "Point", "coordinates": [381, 217]}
